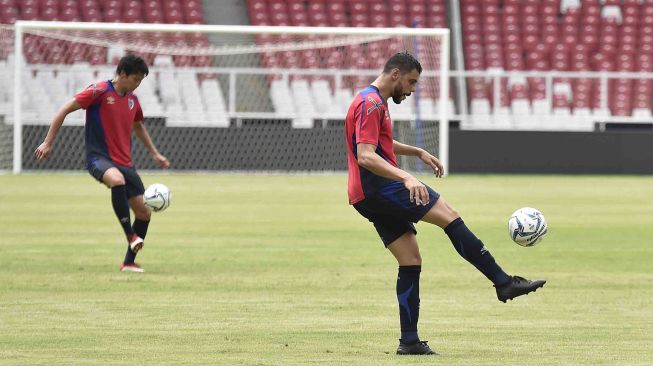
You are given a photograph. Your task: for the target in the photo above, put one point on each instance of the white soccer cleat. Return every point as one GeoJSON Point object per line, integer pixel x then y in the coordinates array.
{"type": "Point", "coordinates": [131, 267]}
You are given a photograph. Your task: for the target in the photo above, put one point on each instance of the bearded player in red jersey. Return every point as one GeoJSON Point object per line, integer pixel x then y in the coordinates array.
{"type": "Point", "coordinates": [392, 199]}
{"type": "Point", "coordinates": [112, 112]}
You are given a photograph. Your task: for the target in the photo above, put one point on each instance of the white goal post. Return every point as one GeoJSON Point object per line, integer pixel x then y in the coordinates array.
{"type": "Point", "coordinates": [236, 89]}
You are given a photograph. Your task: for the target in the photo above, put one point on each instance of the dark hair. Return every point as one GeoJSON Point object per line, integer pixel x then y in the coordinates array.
{"type": "Point", "coordinates": [132, 64]}
{"type": "Point", "coordinates": [403, 61]}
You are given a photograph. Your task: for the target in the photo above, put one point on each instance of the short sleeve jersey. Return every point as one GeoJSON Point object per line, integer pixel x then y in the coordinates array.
{"type": "Point", "coordinates": [368, 121]}
{"type": "Point", "coordinates": [109, 120]}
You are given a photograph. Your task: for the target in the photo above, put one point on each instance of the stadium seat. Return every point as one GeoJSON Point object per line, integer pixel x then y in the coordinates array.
{"type": "Point", "coordinates": [8, 13]}
{"type": "Point", "coordinates": [132, 15]}
{"type": "Point", "coordinates": [70, 14]}
{"type": "Point", "coordinates": [519, 100]}
{"type": "Point", "coordinates": [91, 15]}
{"type": "Point", "coordinates": [193, 16]}
{"type": "Point", "coordinates": [321, 95]}
{"type": "Point", "coordinates": [173, 16]}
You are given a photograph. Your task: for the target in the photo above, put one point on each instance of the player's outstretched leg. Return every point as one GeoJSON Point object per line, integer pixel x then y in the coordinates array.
{"type": "Point", "coordinates": [472, 249]}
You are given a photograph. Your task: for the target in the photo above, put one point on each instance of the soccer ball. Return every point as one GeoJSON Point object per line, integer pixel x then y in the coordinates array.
{"type": "Point", "coordinates": [157, 197]}
{"type": "Point", "coordinates": [527, 226]}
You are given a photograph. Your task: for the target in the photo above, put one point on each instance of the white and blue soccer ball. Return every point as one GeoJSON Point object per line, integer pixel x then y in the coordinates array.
{"type": "Point", "coordinates": [527, 226]}
{"type": "Point", "coordinates": [157, 197]}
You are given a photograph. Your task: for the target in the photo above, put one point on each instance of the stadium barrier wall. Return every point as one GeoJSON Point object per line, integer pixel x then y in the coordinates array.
{"type": "Point", "coordinates": [608, 152]}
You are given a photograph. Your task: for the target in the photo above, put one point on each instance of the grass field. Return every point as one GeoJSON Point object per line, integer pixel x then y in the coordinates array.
{"type": "Point", "coordinates": [279, 270]}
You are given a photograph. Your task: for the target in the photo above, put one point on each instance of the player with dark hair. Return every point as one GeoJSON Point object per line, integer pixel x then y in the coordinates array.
{"type": "Point", "coordinates": [112, 112]}
{"type": "Point", "coordinates": [392, 199]}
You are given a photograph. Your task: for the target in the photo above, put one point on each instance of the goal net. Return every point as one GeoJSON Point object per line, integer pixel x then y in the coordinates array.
{"type": "Point", "coordinates": [218, 98]}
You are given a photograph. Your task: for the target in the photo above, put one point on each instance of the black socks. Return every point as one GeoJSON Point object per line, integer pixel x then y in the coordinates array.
{"type": "Point", "coordinates": [473, 250]}
{"type": "Point", "coordinates": [408, 298]}
{"type": "Point", "coordinates": [121, 208]}
{"type": "Point", "coordinates": [140, 228]}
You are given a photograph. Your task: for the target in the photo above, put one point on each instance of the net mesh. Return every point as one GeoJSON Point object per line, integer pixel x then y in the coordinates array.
{"type": "Point", "coordinates": [6, 96]}
{"type": "Point", "coordinates": [250, 101]}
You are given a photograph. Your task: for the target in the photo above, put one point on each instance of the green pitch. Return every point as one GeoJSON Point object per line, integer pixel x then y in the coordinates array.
{"type": "Point", "coordinates": [279, 270]}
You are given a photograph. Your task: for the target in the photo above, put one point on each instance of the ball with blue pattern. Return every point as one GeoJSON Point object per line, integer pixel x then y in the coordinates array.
{"type": "Point", "coordinates": [527, 226]}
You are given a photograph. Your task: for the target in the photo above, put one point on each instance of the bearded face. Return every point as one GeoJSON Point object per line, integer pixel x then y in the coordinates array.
{"type": "Point", "coordinates": [405, 85]}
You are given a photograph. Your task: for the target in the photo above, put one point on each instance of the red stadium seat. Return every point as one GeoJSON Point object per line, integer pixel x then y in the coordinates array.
{"type": "Point", "coordinates": [338, 20]}
{"type": "Point", "coordinates": [378, 20]}
{"type": "Point", "coordinates": [171, 5]}
{"type": "Point", "coordinates": [359, 20]}
{"type": "Point", "coordinates": [112, 16]}
{"type": "Point", "coordinates": [335, 7]}
{"type": "Point", "coordinates": [560, 101]}
{"type": "Point", "coordinates": [8, 14]}
{"type": "Point", "coordinates": [194, 16]}
{"type": "Point", "coordinates": [601, 62]}
{"type": "Point", "coordinates": [153, 16]}
{"type": "Point", "coordinates": [317, 19]}
{"type": "Point", "coordinates": [357, 7]}
{"type": "Point", "coordinates": [173, 16]}
{"type": "Point", "coordinates": [398, 20]}
{"type": "Point", "coordinates": [132, 16]}
{"type": "Point", "coordinates": [111, 5]}
{"type": "Point", "coordinates": [259, 17]}
{"type": "Point", "coordinates": [397, 7]}
{"type": "Point", "coordinates": [437, 21]}
{"type": "Point", "coordinates": [644, 62]}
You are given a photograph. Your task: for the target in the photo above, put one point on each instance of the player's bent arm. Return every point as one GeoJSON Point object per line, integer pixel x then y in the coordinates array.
{"type": "Point", "coordinates": [144, 136]}
{"type": "Point", "coordinates": [425, 156]}
{"type": "Point", "coordinates": [370, 160]}
{"type": "Point", "coordinates": [44, 150]}
{"type": "Point", "coordinates": [403, 149]}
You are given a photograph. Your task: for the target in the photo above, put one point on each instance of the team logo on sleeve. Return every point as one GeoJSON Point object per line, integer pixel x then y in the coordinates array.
{"type": "Point", "coordinates": [96, 89]}
{"type": "Point", "coordinates": [375, 106]}
{"type": "Point", "coordinates": [130, 102]}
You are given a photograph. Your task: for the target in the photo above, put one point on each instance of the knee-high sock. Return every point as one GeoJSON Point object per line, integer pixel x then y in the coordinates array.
{"type": "Point", "coordinates": [140, 228]}
{"type": "Point", "coordinates": [473, 250]}
{"type": "Point", "coordinates": [408, 298]}
{"type": "Point", "coordinates": [121, 208]}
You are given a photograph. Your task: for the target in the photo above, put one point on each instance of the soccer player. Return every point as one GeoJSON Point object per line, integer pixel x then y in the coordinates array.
{"type": "Point", "coordinates": [112, 112]}
{"type": "Point", "coordinates": [392, 199]}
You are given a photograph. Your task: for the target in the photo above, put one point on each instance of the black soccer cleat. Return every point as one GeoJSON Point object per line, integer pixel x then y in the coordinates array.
{"type": "Point", "coordinates": [516, 287]}
{"type": "Point", "coordinates": [418, 348]}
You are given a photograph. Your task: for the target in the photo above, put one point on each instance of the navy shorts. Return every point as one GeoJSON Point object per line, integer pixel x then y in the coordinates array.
{"type": "Point", "coordinates": [133, 183]}
{"type": "Point", "coordinates": [391, 211]}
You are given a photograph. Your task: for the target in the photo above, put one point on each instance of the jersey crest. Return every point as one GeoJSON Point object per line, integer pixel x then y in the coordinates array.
{"type": "Point", "coordinates": [130, 102]}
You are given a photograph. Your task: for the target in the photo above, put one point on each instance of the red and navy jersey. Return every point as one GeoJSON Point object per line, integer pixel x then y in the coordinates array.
{"type": "Point", "coordinates": [109, 120]}
{"type": "Point", "coordinates": [368, 121]}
